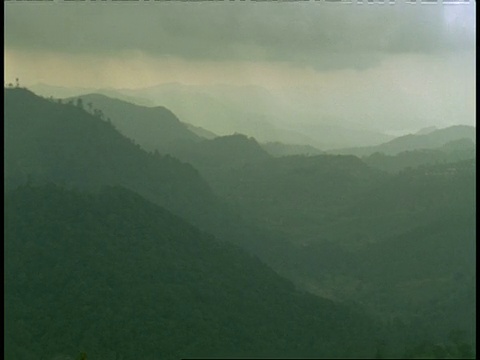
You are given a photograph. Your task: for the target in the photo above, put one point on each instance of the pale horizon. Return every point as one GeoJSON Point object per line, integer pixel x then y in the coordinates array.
{"type": "Point", "coordinates": [388, 68]}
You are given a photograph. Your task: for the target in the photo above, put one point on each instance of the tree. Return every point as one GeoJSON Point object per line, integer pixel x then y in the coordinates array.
{"type": "Point", "coordinates": [80, 103]}
{"type": "Point", "coordinates": [98, 113]}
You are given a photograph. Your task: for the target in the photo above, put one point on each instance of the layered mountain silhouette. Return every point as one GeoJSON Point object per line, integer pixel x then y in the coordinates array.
{"type": "Point", "coordinates": [46, 141]}
{"type": "Point", "coordinates": [450, 152]}
{"type": "Point", "coordinates": [392, 232]}
{"type": "Point", "coordinates": [258, 112]}
{"type": "Point", "coordinates": [251, 110]}
{"type": "Point", "coordinates": [224, 151]}
{"type": "Point", "coordinates": [61, 92]}
{"type": "Point", "coordinates": [218, 157]}
{"type": "Point", "coordinates": [279, 149]}
{"type": "Point", "coordinates": [430, 140]}
{"type": "Point", "coordinates": [154, 128]}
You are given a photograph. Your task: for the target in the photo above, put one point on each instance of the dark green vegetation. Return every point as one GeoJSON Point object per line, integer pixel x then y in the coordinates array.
{"type": "Point", "coordinates": [63, 143]}
{"type": "Point", "coordinates": [298, 193]}
{"type": "Point", "coordinates": [224, 152]}
{"type": "Point", "coordinates": [401, 245]}
{"type": "Point", "coordinates": [46, 141]}
{"type": "Point", "coordinates": [119, 277]}
{"type": "Point", "coordinates": [218, 157]}
{"type": "Point", "coordinates": [398, 244]}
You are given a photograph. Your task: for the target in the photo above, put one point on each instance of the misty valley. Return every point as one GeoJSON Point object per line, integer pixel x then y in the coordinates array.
{"type": "Point", "coordinates": [133, 232]}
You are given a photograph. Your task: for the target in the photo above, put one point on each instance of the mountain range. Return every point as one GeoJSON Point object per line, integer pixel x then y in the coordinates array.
{"type": "Point", "coordinates": [432, 139]}
{"type": "Point", "coordinates": [393, 242]}
{"type": "Point", "coordinates": [154, 128]}
{"type": "Point", "coordinates": [450, 152]}
{"type": "Point", "coordinates": [250, 110]}
{"type": "Point", "coordinates": [46, 141]}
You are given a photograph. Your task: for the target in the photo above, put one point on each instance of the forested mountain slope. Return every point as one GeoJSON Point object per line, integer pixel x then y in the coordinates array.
{"type": "Point", "coordinates": [154, 128]}
{"type": "Point", "coordinates": [116, 276]}
{"type": "Point", "coordinates": [400, 243]}
{"type": "Point", "coordinates": [46, 141]}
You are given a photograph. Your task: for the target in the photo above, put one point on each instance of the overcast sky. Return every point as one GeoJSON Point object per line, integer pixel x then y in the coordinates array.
{"type": "Point", "coordinates": [414, 60]}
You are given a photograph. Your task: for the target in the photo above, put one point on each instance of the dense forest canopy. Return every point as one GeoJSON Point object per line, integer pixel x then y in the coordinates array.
{"type": "Point", "coordinates": [225, 247]}
{"type": "Point", "coordinates": [117, 276]}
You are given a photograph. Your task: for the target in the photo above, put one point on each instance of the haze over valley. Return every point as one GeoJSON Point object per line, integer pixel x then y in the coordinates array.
{"type": "Point", "coordinates": [240, 179]}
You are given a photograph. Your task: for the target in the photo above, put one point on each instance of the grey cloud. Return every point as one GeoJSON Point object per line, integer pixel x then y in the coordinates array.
{"type": "Point", "coordinates": [310, 34]}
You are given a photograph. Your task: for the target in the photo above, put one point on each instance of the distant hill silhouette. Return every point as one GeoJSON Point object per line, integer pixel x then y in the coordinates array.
{"type": "Point", "coordinates": [426, 130]}
{"type": "Point", "coordinates": [279, 149]}
{"type": "Point", "coordinates": [204, 133]}
{"type": "Point", "coordinates": [257, 112]}
{"type": "Point", "coordinates": [154, 128]}
{"type": "Point", "coordinates": [323, 221]}
{"type": "Point", "coordinates": [217, 158]}
{"type": "Point", "coordinates": [430, 140]}
{"type": "Point", "coordinates": [224, 151]}
{"type": "Point", "coordinates": [453, 151]}
{"type": "Point", "coordinates": [61, 92]}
